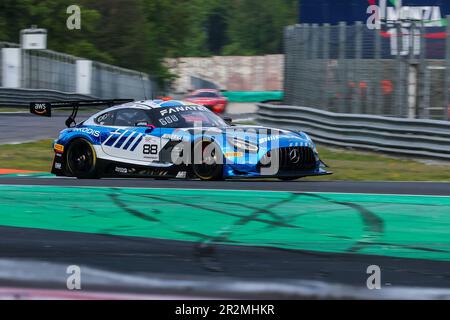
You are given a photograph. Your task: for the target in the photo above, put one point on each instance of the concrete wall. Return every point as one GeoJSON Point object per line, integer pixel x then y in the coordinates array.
{"type": "Point", "coordinates": [232, 73]}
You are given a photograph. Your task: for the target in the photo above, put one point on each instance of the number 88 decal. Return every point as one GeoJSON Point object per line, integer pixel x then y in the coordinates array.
{"type": "Point", "coordinates": [151, 149]}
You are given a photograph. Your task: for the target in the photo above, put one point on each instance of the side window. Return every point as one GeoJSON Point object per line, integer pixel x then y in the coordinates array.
{"type": "Point", "coordinates": [129, 117]}
{"type": "Point", "coordinates": [106, 119]}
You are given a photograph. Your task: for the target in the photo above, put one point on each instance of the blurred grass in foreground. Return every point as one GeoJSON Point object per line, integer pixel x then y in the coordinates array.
{"type": "Point", "coordinates": [358, 165]}
{"type": "Point", "coordinates": [35, 156]}
{"type": "Point", "coordinates": [346, 164]}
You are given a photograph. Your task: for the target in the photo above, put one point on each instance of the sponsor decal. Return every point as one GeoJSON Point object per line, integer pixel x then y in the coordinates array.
{"type": "Point", "coordinates": [181, 175]}
{"type": "Point", "coordinates": [269, 138]}
{"type": "Point", "coordinates": [102, 118]}
{"type": "Point", "coordinates": [89, 131]}
{"type": "Point", "coordinates": [172, 137]}
{"type": "Point", "coordinates": [181, 109]}
{"type": "Point", "coordinates": [40, 108]}
{"type": "Point", "coordinates": [121, 170]}
{"type": "Point", "coordinates": [59, 148]}
{"type": "Point", "coordinates": [58, 166]}
{"type": "Point", "coordinates": [234, 154]}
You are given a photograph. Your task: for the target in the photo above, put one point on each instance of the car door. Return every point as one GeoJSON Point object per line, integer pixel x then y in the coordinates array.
{"type": "Point", "coordinates": [132, 137]}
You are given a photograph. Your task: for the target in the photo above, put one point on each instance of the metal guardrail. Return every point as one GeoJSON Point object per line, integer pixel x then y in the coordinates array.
{"type": "Point", "coordinates": [23, 97]}
{"type": "Point", "coordinates": [421, 138]}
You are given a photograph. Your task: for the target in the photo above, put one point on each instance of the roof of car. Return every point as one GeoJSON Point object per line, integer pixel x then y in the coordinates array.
{"type": "Point", "coordinates": [152, 104]}
{"type": "Point", "coordinates": [144, 104]}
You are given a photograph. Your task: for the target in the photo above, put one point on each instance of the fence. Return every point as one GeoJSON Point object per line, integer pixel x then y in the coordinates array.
{"type": "Point", "coordinates": [402, 70]}
{"type": "Point", "coordinates": [50, 70]}
{"type": "Point", "coordinates": [113, 82]}
{"type": "Point", "coordinates": [409, 137]}
{"type": "Point", "coordinates": [45, 69]}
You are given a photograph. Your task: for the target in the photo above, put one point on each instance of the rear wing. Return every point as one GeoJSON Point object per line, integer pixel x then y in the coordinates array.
{"type": "Point", "coordinates": [44, 109]}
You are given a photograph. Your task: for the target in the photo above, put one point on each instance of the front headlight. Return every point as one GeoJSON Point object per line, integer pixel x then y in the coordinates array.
{"type": "Point", "coordinates": [243, 145]}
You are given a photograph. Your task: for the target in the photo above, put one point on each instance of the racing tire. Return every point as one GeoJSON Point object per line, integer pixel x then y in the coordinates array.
{"type": "Point", "coordinates": [211, 169]}
{"type": "Point", "coordinates": [81, 160]}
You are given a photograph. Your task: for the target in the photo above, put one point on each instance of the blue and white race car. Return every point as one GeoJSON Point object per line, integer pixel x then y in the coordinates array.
{"type": "Point", "coordinates": [174, 139]}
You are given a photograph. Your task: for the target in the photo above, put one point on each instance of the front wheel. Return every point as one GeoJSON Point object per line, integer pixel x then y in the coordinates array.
{"type": "Point", "coordinates": [81, 160]}
{"type": "Point", "coordinates": [207, 161]}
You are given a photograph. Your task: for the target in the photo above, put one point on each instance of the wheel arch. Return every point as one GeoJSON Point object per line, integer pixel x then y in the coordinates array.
{"type": "Point", "coordinates": [68, 145]}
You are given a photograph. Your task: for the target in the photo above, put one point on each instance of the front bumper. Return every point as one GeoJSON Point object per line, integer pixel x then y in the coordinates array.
{"type": "Point", "coordinates": [251, 171]}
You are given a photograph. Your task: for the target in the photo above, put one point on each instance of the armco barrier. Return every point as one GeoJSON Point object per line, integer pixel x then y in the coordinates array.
{"type": "Point", "coordinates": [411, 137]}
{"type": "Point", "coordinates": [23, 97]}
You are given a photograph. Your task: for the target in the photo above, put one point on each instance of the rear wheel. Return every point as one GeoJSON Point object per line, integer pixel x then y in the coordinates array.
{"type": "Point", "coordinates": [81, 160]}
{"type": "Point", "coordinates": [207, 161]}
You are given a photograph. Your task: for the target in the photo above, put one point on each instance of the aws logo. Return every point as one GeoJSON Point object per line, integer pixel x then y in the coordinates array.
{"type": "Point", "coordinates": [40, 108]}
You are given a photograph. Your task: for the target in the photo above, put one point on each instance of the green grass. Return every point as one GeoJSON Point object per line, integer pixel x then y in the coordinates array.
{"type": "Point", "coordinates": [35, 156]}
{"type": "Point", "coordinates": [370, 166]}
{"type": "Point", "coordinates": [346, 165]}
{"type": "Point", "coordinates": [6, 109]}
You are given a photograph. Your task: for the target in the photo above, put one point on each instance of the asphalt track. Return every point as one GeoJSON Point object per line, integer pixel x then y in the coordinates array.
{"type": "Point", "coordinates": [145, 256]}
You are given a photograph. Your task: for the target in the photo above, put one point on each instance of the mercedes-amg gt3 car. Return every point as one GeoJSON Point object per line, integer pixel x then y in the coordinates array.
{"type": "Point", "coordinates": [174, 139]}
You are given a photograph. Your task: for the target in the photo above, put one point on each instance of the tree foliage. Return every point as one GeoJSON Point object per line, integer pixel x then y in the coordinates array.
{"type": "Point", "coordinates": [139, 34]}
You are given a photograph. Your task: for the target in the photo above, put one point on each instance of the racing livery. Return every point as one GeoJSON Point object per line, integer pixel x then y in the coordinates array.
{"type": "Point", "coordinates": [174, 139]}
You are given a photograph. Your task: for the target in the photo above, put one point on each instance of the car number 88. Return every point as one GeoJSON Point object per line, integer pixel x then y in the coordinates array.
{"type": "Point", "coordinates": [150, 149]}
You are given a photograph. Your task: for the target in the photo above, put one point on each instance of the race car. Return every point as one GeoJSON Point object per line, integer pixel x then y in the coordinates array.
{"type": "Point", "coordinates": [174, 139]}
{"type": "Point", "coordinates": [210, 98]}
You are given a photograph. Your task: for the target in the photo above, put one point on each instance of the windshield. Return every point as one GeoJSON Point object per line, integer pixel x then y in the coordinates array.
{"type": "Point", "coordinates": [204, 94]}
{"type": "Point", "coordinates": [185, 117]}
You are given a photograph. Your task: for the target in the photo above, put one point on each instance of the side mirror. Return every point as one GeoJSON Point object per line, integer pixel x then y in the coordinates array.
{"type": "Point", "coordinates": [145, 124]}
{"type": "Point", "coordinates": [228, 120]}
{"type": "Point", "coordinates": [141, 124]}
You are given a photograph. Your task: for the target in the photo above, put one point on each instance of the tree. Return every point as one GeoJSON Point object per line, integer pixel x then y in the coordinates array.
{"type": "Point", "coordinates": [16, 15]}
{"type": "Point", "coordinates": [256, 26]}
{"type": "Point", "coordinates": [140, 34]}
